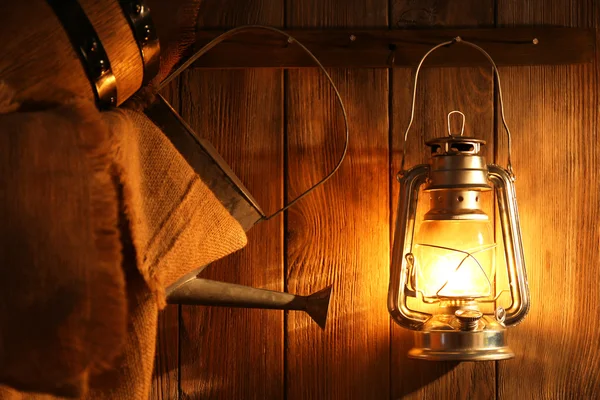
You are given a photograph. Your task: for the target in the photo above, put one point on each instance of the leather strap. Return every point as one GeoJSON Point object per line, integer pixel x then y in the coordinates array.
{"type": "Point", "coordinates": [144, 32]}
{"type": "Point", "coordinates": [87, 45]}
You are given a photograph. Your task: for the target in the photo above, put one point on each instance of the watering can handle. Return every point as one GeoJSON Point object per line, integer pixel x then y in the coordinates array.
{"type": "Point", "coordinates": [458, 39]}
{"type": "Point", "coordinates": [291, 39]}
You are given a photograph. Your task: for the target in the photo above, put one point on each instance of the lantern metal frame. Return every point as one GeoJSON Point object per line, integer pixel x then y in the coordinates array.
{"type": "Point", "coordinates": [465, 333]}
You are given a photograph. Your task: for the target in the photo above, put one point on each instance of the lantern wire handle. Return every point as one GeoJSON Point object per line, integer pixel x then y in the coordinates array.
{"type": "Point", "coordinates": [290, 39]}
{"type": "Point", "coordinates": [462, 128]}
{"type": "Point", "coordinates": [458, 39]}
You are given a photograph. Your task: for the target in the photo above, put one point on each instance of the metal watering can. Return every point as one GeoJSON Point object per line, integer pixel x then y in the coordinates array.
{"type": "Point", "coordinates": [226, 186]}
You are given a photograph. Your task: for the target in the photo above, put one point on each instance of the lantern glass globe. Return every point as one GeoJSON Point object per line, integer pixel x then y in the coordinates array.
{"type": "Point", "coordinates": [454, 259]}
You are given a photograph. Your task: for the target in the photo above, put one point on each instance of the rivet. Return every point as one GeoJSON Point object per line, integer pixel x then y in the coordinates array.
{"type": "Point", "coordinates": [352, 38]}
{"type": "Point", "coordinates": [500, 314]}
{"type": "Point", "coordinates": [535, 41]}
{"type": "Point", "coordinates": [137, 8]}
{"type": "Point", "coordinates": [93, 46]}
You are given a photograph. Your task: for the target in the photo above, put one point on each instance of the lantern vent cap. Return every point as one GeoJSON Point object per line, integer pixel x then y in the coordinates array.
{"type": "Point", "coordinates": [455, 145]}
{"type": "Point", "coordinates": [456, 163]}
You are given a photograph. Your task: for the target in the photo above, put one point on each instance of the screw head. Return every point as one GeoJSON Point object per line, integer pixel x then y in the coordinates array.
{"type": "Point", "coordinates": [102, 66]}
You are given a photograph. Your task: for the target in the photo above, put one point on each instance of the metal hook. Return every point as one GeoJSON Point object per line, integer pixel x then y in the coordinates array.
{"type": "Point", "coordinates": [462, 129]}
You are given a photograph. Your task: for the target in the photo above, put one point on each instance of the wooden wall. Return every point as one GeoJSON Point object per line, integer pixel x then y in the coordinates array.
{"type": "Point", "coordinates": [281, 131]}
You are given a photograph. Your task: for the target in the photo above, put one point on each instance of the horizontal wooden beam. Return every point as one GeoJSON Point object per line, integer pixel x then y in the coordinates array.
{"type": "Point", "coordinates": [399, 48]}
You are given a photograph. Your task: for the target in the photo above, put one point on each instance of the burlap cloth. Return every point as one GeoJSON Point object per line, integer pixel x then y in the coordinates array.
{"type": "Point", "coordinates": [99, 214]}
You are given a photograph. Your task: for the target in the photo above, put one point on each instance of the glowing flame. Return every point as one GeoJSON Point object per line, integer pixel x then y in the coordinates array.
{"type": "Point", "coordinates": [454, 259]}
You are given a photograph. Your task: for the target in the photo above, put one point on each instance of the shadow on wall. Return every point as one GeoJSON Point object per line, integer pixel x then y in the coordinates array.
{"type": "Point", "coordinates": [339, 361]}
{"type": "Point", "coordinates": [312, 358]}
{"type": "Point", "coordinates": [410, 375]}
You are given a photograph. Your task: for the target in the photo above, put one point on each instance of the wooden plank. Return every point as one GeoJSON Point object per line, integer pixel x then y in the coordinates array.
{"type": "Point", "coordinates": [339, 234]}
{"type": "Point", "coordinates": [371, 48]}
{"type": "Point", "coordinates": [238, 353]}
{"type": "Point", "coordinates": [440, 91]}
{"type": "Point", "coordinates": [553, 112]}
{"type": "Point", "coordinates": [166, 360]}
{"type": "Point", "coordinates": [165, 385]}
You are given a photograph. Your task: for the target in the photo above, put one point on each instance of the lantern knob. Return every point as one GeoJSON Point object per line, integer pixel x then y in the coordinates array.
{"type": "Point", "coordinates": [468, 319]}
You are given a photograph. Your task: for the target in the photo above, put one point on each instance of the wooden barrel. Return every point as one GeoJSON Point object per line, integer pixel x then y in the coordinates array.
{"type": "Point", "coordinates": [40, 63]}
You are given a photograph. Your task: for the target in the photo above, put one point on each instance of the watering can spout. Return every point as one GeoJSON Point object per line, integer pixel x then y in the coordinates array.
{"type": "Point", "coordinates": [207, 292]}
{"type": "Point", "coordinates": [318, 305]}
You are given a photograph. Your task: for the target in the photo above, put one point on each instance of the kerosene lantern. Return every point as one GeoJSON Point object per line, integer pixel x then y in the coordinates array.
{"type": "Point", "coordinates": [444, 282]}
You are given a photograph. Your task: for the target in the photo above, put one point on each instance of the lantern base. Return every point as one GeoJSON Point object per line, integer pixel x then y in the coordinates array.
{"type": "Point", "coordinates": [444, 345]}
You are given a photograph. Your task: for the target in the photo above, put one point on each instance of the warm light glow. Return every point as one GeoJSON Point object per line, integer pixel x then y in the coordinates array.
{"type": "Point", "coordinates": [454, 259]}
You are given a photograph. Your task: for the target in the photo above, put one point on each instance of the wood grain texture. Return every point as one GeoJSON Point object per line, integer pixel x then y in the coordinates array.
{"type": "Point", "coordinates": [165, 377]}
{"type": "Point", "coordinates": [360, 48]}
{"type": "Point", "coordinates": [554, 116]}
{"type": "Point", "coordinates": [165, 383]}
{"type": "Point", "coordinates": [339, 234]}
{"type": "Point", "coordinates": [238, 353]}
{"type": "Point", "coordinates": [440, 91]}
